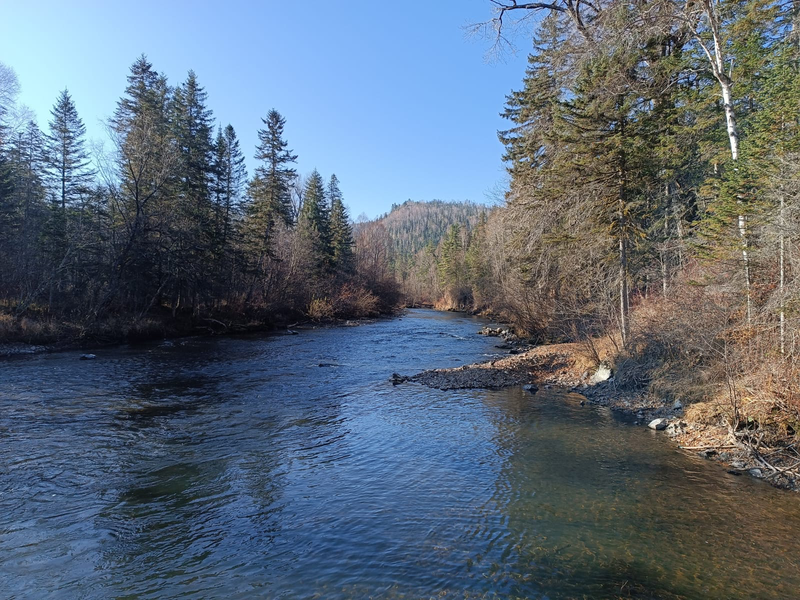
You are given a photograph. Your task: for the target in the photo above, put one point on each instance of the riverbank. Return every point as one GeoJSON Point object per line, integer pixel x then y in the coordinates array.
{"type": "Point", "coordinates": [26, 335]}
{"type": "Point", "coordinates": [762, 452]}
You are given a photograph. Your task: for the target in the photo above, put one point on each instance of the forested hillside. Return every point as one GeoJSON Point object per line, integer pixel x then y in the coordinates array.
{"type": "Point", "coordinates": [413, 226]}
{"type": "Point", "coordinates": [425, 238]}
{"type": "Point", "coordinates": [165, 231]}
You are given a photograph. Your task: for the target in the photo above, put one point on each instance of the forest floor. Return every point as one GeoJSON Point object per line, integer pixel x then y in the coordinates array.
{"type": "Point", "coordinates": [696, 428]}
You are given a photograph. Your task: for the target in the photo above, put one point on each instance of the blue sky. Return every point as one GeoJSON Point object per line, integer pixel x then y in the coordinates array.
{"type": "Point", "coordinates": [393, 97]}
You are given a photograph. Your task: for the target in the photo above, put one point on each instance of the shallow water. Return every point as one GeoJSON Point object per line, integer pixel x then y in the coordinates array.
{"type": "Point", "coordinates": [290, 467]}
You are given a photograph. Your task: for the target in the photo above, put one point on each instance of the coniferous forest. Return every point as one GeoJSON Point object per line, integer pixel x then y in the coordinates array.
{"type": "Point", "coordinates": [164, 232]}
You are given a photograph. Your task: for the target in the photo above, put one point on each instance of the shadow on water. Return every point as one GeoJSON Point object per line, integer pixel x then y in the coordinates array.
{"type": "Point", "coordinates": [240, 468]}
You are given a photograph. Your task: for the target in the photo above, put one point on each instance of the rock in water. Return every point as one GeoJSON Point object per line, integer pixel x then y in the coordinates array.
{"type": "Point", "coordinates": [88, 356]}
{"type": "Point", "coordinates": [530, 388]}
{"type": "Point", "coordinates": [397, 378]}
{"type": "Point", "coordinates": [658, 424]}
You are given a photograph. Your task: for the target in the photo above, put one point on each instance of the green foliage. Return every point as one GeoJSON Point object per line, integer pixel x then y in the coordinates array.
{"type": "Point", "coordinates": [175, 230]}
{"type": "Point", "coordinates": [314, 223]}
{"type": "Point", "coordinates": [341, 232]}
{"type": "Point", "coordinates": [413, 226]}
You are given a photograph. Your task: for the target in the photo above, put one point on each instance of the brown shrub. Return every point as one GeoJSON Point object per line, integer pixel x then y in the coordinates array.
{"type": "Point", "coordinates": [352, 301]}
{"type": "Point", "coordinates": [320, 309]}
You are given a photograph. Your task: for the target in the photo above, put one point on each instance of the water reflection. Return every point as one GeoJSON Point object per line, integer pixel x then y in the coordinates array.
{"type": "Point", "coordinates": [241, 468]}
{"type": "Point", "coordinates": [596, 508]}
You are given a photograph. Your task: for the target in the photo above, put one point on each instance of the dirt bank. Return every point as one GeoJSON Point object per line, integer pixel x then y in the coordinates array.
{"type": "Point", "coordinates": [695, 428]}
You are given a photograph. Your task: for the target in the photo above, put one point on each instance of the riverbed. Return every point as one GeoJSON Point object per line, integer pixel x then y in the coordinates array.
{"type": "Point", "coordinates": [291, 467]}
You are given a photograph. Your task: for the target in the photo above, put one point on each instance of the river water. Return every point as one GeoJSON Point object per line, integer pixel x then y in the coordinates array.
{"type": "Point", "coordinates": [290, 467]}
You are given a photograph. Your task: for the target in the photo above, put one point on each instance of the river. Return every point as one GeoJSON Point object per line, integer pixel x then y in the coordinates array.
{"type": "Point", "coordinates": [291, 467]}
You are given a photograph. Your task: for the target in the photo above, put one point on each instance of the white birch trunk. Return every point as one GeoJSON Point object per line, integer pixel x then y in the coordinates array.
{"type": "Point", "coordinates": [717, 63]}
{"type": "Point", "coordinates": [782, 224]}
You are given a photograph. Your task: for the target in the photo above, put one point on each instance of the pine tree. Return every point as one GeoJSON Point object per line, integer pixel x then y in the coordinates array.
{"type": "Point", "coordinates": [68, 165]}
{"type": "Point", "coordinates": [270, 189]}
{"type": "Point", "coordinates": [192, 224]}
{"type": "Point", "coordinates": [314, 222]}
{"type": "Point", "coordinates": [230, 175]}
{"type": "Point", "coordinates": [341, 232]}
{"type": "Point", "coordinates": [23, 216]}
{"type": "Point", "coordinates": [142, 207]}
{"type": "Point", "coordinates": [451, 259]}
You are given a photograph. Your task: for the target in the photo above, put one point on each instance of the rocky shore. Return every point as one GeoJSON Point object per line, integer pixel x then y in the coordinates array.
{"type": "Point", "coordinates": [566, 366]}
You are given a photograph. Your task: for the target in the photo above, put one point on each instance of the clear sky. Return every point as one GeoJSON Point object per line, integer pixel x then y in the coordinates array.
{"type": "Point", "coordinates": [393, 97]}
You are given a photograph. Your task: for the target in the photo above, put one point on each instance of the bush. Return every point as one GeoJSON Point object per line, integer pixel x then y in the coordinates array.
{"type": "Point", "coordinates": [320, 309]}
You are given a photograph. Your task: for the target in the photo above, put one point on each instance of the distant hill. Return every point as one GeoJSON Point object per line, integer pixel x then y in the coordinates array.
{"type": "Point", "coordinates": [413, 225]}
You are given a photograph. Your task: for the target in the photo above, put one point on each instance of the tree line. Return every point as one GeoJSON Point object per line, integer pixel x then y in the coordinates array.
{"type": "Point", "coordinates": [653, 150]}
{"type": "Point", "coordinates": [168, 224]}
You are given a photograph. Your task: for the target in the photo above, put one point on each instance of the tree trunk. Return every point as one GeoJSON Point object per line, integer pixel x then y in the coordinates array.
{"type": "Point", "coordinates": [782, 224]}
{"type": "Point", "coordinates": [717, 63]}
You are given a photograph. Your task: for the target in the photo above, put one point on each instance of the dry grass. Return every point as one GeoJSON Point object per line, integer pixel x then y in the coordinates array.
{"type": "Point", "coordinates": [33, 330]}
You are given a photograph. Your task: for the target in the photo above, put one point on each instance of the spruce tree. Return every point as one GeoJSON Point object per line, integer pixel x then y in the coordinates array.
{"type": "Point", "coordinates": [192, 225]}
{"type": "Point", "coordinates": [24, 216]}
{"type": "Point", "coordinates": [270, 189]}
{"type": "Point", "coordinates": [230, 175]}
{"type": "Point", "coordinates": [314, 222]}
{"type": "Point", "coordinates": [143, 205]}
{"type": "Point", "coordinates": [341, 232]}
{"type": "Point", "coordinates": [451, 259]}
{"type": "Point", "coordinates": [68, 165]}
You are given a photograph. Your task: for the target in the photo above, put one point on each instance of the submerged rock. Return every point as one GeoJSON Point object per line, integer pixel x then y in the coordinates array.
{"type": "Point", "coordinates": [658, 424]}
{"type": "Point", "coordinates": [397, 378]}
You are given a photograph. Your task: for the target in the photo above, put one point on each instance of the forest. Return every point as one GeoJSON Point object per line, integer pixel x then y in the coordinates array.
{"type": "Point", "coordinates": [653, 153]}
{"type": "Point", "coordinates": [165, 233]}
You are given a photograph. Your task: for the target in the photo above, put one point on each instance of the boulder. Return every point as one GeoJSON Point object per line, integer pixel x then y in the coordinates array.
{"type": "Point", "coordinates": [603, 373]}
{"type": "Point", "coordinates": [678, 405]}
{"type": "Point", "coordinates": [88, 356]}
{"type": "Point", "coordinates": [532, 388]}
{"type": "Point", "coordinates": [658, 424]}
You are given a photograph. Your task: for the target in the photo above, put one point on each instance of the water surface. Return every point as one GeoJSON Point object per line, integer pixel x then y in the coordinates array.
{"type": "Point", "coordinates": [290, 467]}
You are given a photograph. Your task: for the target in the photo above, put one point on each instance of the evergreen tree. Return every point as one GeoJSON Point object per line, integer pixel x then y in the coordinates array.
{"type": "Point", "coordinates": [230, 175]}
{"type": "Point", "coordinates": [192, 225]}
{"type": "Point", "coordinates": [270, 189]}
{"type": "Point", "coordinates": [23, 216]}
{"type": "Point", "coordinates": [142, 207]}
{"type": "Point", "coordinates": [451, 259]}
{"type": "Point", "coordinates": [68, 165]}
{"type": "Point", "coordinates": [314, 222]}
{"type": "Point", "coordinates": [341, 232]}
